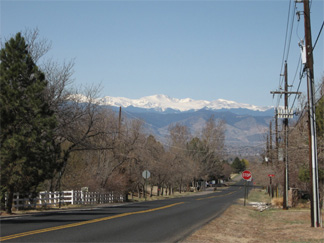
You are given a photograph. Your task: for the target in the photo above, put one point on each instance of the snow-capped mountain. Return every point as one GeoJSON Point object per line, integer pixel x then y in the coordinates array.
{"type": "Point", "coordinates": [246, 125]}
{"type": "Point", "coordinates": [163, 103]}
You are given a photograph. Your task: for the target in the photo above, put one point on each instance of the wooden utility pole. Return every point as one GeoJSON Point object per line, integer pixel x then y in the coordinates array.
{"type": "Point", "coordinates": [286, 178]}
{"type": "Point", "coordinates": [268, 150]}
{"type": "Point", "coordinates": [277, 135]}
{"type": "Point", "coordinates": [309, 66]}
{"type": "Point", "coordinates": [119, 121]}
{"type": "Point", "coordinates": [286, 113]}
{"type": "Point", "coordinates": [271, 152]}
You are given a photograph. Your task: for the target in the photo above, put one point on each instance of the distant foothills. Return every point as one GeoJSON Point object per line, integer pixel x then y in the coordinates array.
{"type": "Point", "coordinates": [246, 125]}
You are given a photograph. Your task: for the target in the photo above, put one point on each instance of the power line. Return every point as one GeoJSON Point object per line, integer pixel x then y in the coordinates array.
{"type": "Point", "coordinates": [300, 80]}
{"type": "Point", "coordinates": [301, 76]}
{"type": "Point", "coordinates": [302, 114]}
{"type": "Point", "coordinates": [291, 29]}
{"type": "Point", "coordinates": [285, 45]}
{"type": "Point", "coordinates": [298, 64]}
{"type": "Point", "coordinates": [318, 36]}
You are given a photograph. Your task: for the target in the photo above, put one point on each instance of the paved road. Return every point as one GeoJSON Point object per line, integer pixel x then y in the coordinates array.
{"type": "Point", "coordinates": [155, 221]}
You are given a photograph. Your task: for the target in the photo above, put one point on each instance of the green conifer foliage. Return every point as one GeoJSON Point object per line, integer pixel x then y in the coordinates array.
{"type": "Point", "coordinates": [238, 165]}
{"type": "Point", "coordinates": [28, 151]}
{"type": "Point", "coordinates": [319, 111]}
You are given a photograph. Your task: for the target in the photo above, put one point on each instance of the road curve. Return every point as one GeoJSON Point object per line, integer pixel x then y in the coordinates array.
{"type": "Point", "coordinates": [154, 221]}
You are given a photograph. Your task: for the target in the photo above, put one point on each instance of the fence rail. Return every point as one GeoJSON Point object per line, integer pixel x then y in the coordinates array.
{"type": "Point", "coordinates": [45, 198]}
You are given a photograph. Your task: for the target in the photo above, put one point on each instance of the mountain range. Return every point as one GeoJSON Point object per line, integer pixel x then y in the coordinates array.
{"type": "Point", "coordinates": [164, 103]}
{"type": "Point", "coordinates": [246, 125]}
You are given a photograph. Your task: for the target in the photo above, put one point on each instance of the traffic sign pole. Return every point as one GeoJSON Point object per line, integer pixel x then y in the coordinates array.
{"type": "Point", "coordinates": [247, 176]}
{"type": "Point", "coordinates": [146, 174]}
{"type": "Point", "coordinates": [245, 193]}
{"type": "Point", "coordinates": [145, 186]}
{"type": "Point", "coordinates": [270, 189]}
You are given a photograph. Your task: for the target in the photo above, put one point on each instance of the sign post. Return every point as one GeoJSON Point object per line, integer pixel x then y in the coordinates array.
{"type": "Point", "coordinates": [247, 176]}
{"type": "Point", "coordinates": [146, 174]}
{"type": "Point", "coordinates": [271, 191]}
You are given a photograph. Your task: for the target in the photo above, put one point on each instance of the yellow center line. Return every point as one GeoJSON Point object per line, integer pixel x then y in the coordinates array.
{"type": "Point", "coordinates": [33, 232]}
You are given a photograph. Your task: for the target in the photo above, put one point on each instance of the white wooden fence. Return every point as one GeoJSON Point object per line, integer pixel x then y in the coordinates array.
{"type": "Point", "coordinates": [45, 199]}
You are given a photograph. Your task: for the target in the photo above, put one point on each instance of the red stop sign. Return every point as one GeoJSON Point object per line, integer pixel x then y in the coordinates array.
{"type": "Point", "coordinates": [246, 175]}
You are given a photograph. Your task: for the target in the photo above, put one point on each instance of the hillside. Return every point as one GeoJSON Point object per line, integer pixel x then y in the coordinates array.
{"type": "Point", "coordinates": [246, 125]}
{"type": "Point", "coordinates": [242, 131]}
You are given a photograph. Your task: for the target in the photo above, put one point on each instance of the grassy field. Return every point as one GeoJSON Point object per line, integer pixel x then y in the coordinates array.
{"type": "Point", "coordinates": [258, 195]}
{"type": "Point", "coordinates": [246, 224]}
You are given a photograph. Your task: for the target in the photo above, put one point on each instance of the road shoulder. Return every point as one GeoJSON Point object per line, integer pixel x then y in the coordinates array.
{"type": "Point", "coordinates": [247, 224]}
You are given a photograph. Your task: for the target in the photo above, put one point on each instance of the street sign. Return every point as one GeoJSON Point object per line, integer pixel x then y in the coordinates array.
{"type": "Point", "coordinates": [246, 175]}
{"type": "Point", "coordinates": [271, 175]}
{"type": "Point", "coordinates": [146, 174]}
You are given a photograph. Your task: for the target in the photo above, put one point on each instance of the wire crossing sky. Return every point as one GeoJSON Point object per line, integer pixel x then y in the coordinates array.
{"type": "Point", "coordinates": [203, 50]}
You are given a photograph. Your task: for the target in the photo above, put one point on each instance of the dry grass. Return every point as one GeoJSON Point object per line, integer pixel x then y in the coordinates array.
{"type": "Point", "coordinates": [175, 194]}
{"type": "Point", "coordinates": [245, 224]}
{"type": "Point", "coordinates": [278, 202]}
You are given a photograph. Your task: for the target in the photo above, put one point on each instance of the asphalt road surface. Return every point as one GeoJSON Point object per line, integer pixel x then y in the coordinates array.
{"type": "Point", "coordinates": [155, 221]}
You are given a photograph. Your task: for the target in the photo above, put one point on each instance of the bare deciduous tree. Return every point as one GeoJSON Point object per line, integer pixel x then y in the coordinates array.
{"type": "Point", "coordinates": [77, 111]}
{"type": "Point", "coordinates": [213, 138]}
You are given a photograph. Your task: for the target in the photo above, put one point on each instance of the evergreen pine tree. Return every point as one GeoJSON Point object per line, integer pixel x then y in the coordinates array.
{"type": "Point", "coordinates": [28, 151]}
{"type": "Point", "coordinates": [238, 165]}
{"type": "Point", "coordinates": [319, 111]}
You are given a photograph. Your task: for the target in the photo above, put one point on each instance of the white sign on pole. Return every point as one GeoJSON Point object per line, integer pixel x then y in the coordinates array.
{"type": "Point", "coordinates": [146, 174]}
{"type": "Point", "coordinates": [285, 113]}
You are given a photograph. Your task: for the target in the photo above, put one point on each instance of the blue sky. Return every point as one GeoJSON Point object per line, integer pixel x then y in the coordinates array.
{"type": "Point", "coordinates": [199, 49]}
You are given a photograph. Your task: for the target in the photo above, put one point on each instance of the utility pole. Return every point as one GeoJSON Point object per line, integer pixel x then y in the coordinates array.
{"type": "Point", "coordinates": [313, 162]}
{"type": "Point", "coordinates": [271, 152]}
{"type": "Point", "coordinates": [277, 135]}
{"type": "Point", "coordinates": [286, 113]}
{"type": "Point", "coordinates": [268, 151]}
{"type": "Point", "coordinates": [119, 121]}
{"type": "Point", "coordinates": [285, 200]}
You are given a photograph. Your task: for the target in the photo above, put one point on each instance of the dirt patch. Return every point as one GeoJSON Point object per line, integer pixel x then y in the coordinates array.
{"type": "Point", "coordinates": [245, 224]}
{"type": "Point", "coordinates": [6, 214]}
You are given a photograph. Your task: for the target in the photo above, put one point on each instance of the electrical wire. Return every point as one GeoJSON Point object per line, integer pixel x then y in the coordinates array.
{"type": "Point", "coordinates": [318, 36]}
{"type": "Point", "coordinates": [300, 80]}
{"type": "Point", "coordinates": [291, 29]}
{"type": "Point", "coordinates": [303, 111]}
{"type": "Point", "coordinates": [298, 64]}
{"type": "Point", "coordinates": [285, 45]}
{"type": "Point", "coordinates": [301, 116]}
{"type": "Point", "coordinates": [293, 82]}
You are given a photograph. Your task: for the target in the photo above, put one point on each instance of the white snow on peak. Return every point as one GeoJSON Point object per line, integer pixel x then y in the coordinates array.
{"type": "Point", "coordinates": [162, 102]}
